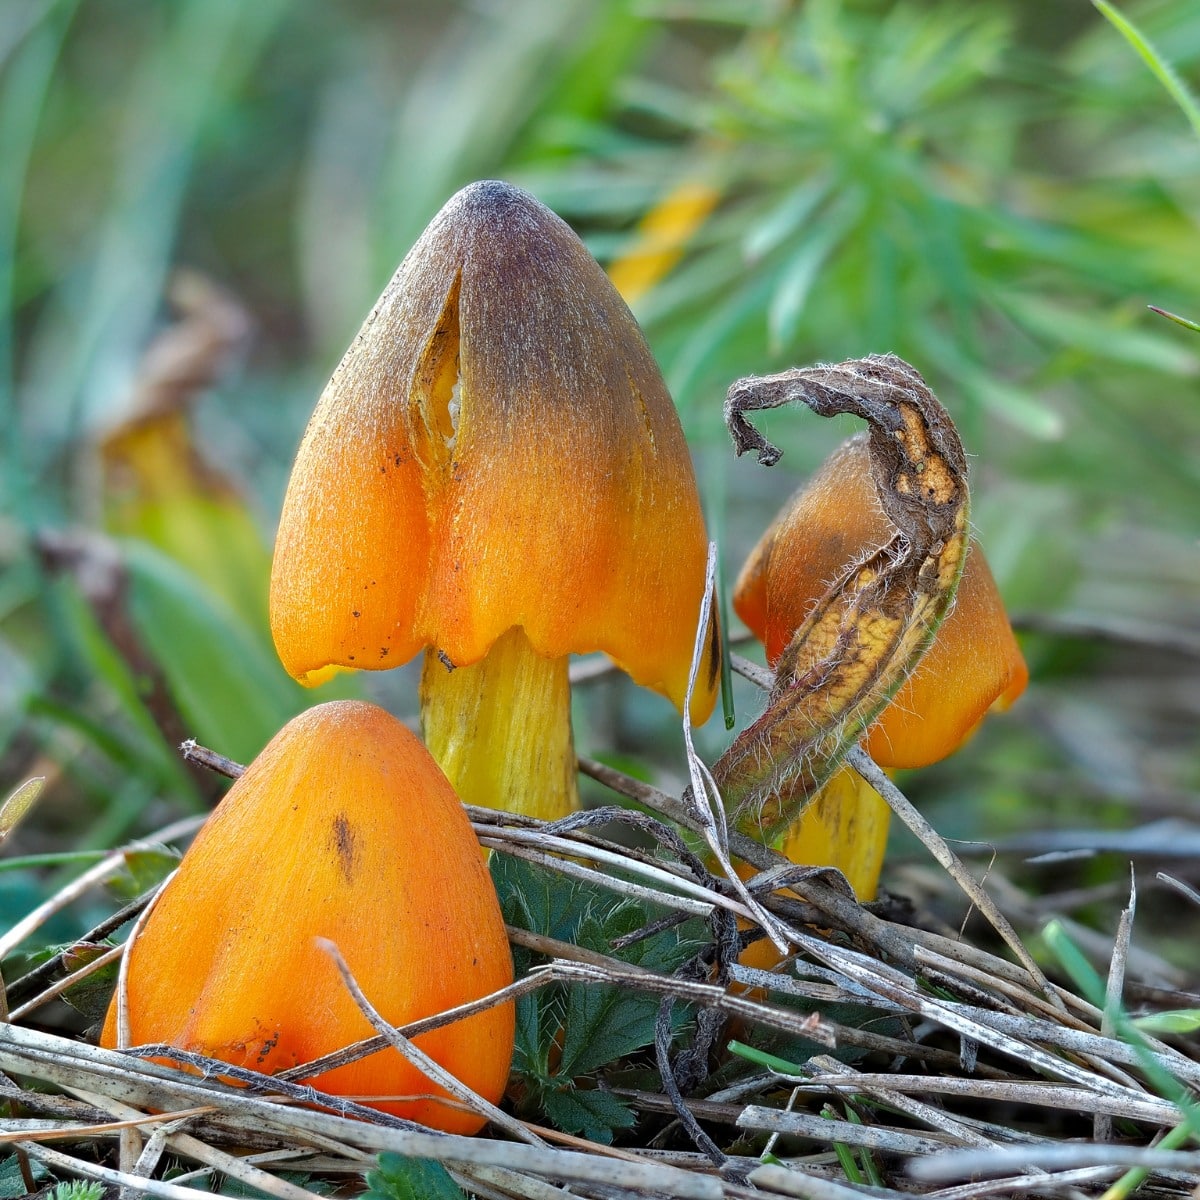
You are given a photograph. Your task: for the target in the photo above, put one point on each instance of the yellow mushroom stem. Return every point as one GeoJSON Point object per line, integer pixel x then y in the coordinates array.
{"type": "Point", "coordinates": [845, 826]}
{"type": "Point", "coordinates": [501, 728]}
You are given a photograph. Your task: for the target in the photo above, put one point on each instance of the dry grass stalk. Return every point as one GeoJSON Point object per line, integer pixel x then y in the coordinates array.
{"type": "Point", "coordinates": [1025, 1043]}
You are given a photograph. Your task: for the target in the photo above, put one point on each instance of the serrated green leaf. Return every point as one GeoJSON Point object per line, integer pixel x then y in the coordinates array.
{"type": "Point", "coordinates": [398, 1178]}
{"type": "Point", "coordinates": [602, 1024]}
{"type": "Point", "coordinates": [78, 1189]}
{"type": "Point", "coordinates": [565, 1033]}
{"type": "Point", "coordinates": [538, 899]}
{"type": "Point", "coordinates": [12, 1182]}
{"type": "Point", "coordinates": [591, 1114]}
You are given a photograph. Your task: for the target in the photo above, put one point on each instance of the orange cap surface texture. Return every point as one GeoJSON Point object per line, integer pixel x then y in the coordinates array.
{"type": "Point", "coordinates": [343, 828]}
{"type": "Point", "coordinates": [974, 661]}
{"type": "Point", "coordinates": [496, 449]}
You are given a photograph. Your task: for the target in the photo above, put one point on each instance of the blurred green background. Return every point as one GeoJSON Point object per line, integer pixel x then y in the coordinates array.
{"type": "Point", "coordinates": [200, 200]}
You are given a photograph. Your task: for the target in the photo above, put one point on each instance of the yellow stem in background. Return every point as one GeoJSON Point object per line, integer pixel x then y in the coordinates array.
{"type": "Point", "coordinates": [501, 728]}
{"type": "Point", "coordinates": [846, 826]}
{"type": "Point", "coordinates": [661, 238]}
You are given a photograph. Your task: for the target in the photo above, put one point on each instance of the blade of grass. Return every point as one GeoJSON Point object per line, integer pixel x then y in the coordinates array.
{"type": "Point", "coordinates": [1085, 977]}
{"type": "Point", "coordinates": [1163, 71]}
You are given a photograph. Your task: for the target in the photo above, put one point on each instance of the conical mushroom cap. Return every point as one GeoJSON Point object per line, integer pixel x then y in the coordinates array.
{"type": "Point", "coordinates": [496, 449]}
{"type": "Point", "coordinates": [974, 661]}
{"type": "Point", "coordinates": [343, 828]}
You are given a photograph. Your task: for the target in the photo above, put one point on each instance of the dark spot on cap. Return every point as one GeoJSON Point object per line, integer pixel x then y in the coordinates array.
{"type": "Point", "coordinates": [343, 839]}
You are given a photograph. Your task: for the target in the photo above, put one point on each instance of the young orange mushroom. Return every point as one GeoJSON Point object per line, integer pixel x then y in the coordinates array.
{"type": "Point", "coordinates": [973, 664]}
{"type": "Point", "coordinates": [342, 829]}
{"type": "Point", "coordinates": [496, 475]}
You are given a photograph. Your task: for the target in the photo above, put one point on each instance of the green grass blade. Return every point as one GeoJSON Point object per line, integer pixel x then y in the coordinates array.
{"type": "Point", "coordinates": [1163, 71]}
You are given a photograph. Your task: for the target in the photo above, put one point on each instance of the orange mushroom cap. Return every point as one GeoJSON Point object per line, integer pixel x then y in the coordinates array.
{"type": "Point", "coordinates": [974, 661]}
{"type": "Point", "coordinates": [496, 449]}
{"type": "Point", "coordinates": [343, 828]}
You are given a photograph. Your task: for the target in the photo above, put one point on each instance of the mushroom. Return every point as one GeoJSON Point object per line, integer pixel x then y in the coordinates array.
{"type": "Point", "coordinates": [496, 475]}
{"type": "Point", "coordinates": [343, 829]}
{"type": "Point", "coordinates": [973, 664]}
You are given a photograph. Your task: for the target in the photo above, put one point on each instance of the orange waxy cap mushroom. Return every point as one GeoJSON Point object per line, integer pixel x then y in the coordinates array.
{"type": "Point", "coordinates": [495, 462]}
{"type": "Point", "coordinates": [973, 663]}
{"type": "Point", "coordinates": [343, 829]}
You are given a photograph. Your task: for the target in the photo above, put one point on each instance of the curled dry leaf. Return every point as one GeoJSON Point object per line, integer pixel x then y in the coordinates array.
{"type": "Point", "coordinates": [868, 631]}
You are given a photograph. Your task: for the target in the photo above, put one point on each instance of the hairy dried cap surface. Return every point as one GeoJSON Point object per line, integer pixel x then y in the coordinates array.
{"type": "Point", "coordinates": [974, 661]}
{"type": "Point", "coordinates": [496, 449]}
{"type": "Point", "coordinates": [343, 828]}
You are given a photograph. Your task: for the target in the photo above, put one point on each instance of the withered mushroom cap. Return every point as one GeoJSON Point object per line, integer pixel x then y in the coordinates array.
{"type": "Point", "coordinates": [974, 661]}
{"type": "Point", "coordinates": [496, 449]}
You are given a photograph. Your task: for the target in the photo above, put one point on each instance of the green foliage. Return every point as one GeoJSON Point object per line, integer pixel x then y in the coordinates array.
{"type": "Point", "coordinates": [1163, 71]}
{"type": "Point", "coordinates": [146, 866]}
{"type": "Point", "coordinates": [78, 1189]}
{"type": "Point", "coordinates": [1091, 987]}
{"type": "Point", "coordinates": [567, 1034]}
{"type": "Point", "coordinates": [235, 700]}
{"type": "Point", "coordinates": [397, 1178]}
{"type": "Point", "coordinates": [91, 995]}
{"type": "Point", "coordinates": [1183, 1020]}
{"type": "Point", "coordinates": [995, 191]}
{"type": "Point", "coordinates": [12, 1182]}
{"type": "Point", "coordinates": [19, 803]}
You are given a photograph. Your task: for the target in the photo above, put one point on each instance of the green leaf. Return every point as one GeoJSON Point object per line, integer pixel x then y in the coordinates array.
{"type": "Point", "coordinates": [538, 899]}
{"type": "Point", "coordinates": [78, 1189]}
{"type": "Point", "coordinates": [22, 799]}
{"type": "Point", "coordinates": [1187, 324]}
{"type": "Point", "coordinates": [1097, 334]}
{"type": "Point", "coordinates": [1182, 1020]}
{"type": "Point", "coordinates": [145, 867]}
{"type": "Point", "coordinates": [1091, 987]}
{"type": "Point", "coordinates": [144, 744]}
{"type": "Point", "coordinates": [761, 1058]}
{"type": "Point", "coordinates": [800, 273]}
{"type": "Point", "coordinates": [1163, 71]}
{"type": "Point", "coordinates": [591, 1114]}
{"type": "Point", "coordinates": [602, 1024]}
{"type": "Point", "coordinates": [230, 689]}
{"type": "Point", "coordinates": [91, 995]}
{"type": "Point", "coordinates": [565, 1033]}
{"type": "Point", "coordinates": [784, 219]}
{"type": "Point", "coordinates": [398, 1178]}
{"type": "Point", "coordinates": [12, 1183]}
{"type": "Point", "coordinates": [1015, 406]}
